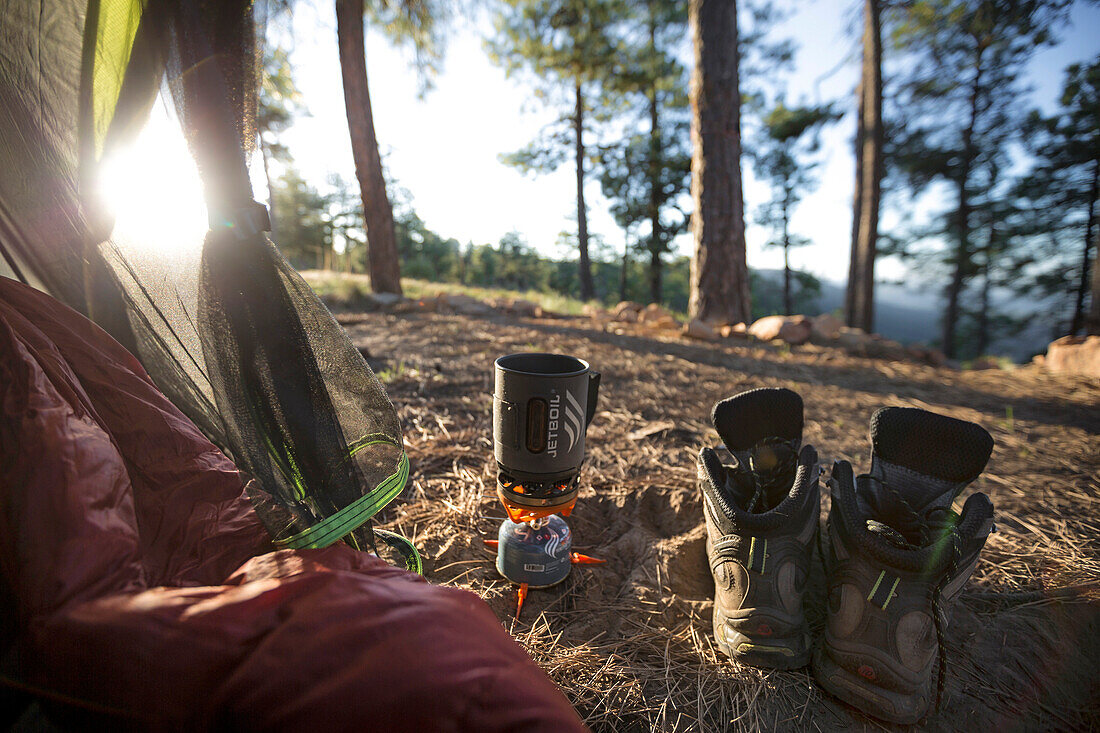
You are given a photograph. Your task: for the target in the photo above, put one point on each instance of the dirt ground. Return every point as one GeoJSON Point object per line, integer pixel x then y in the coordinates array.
{"type": "Point", "coordinates": [629, 642]}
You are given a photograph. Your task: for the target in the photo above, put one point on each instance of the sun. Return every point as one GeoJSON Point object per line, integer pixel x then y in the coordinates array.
{"type": "Point", "coordinates": [152, 187]}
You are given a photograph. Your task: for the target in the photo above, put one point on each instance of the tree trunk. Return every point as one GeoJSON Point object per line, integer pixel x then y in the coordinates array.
{"type": "Point", "coordinates": [1083, 284]}
{"type": "Point", "coordinates": [588, 290]}
{"type": "Point", "coordinates": [1092, 323]}
{"type": "Point", "coordinates": [787, 305]}
{"type": "Point", "coordinates": [869, 168]}
{"type": "Point", "coordinates": [962, 258]}
{"type": "Point", "coordinates": [983, 313]}
{"type": "Point", "coordinates": [984, 336]}
{"type": "Point", "coordinates": [854, 276]}
{"type": "Point", "coordinates": [624, 267]}
{"type": "Point", "coordinates": [655, 244]}
{"type": "Point", "coordinates": [719, 273]}
{"type": "Point", "coordinates": [654, 276]}
{"type": "Point", "coordinates": [385, 266]}
{"type": "Point", "coordinates": [654, 171]}
{"type": "Point", "coordinates": [962, 219]}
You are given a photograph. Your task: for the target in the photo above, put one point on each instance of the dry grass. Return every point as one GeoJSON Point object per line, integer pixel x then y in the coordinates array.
{"type": "Point", "coordinates": [629, 642]}
{"type": "Point", "coordinates": [350, 290]}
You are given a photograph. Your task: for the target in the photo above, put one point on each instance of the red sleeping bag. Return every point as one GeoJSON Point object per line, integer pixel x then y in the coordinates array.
{"type": "Point", "coordinates": [146, 588]}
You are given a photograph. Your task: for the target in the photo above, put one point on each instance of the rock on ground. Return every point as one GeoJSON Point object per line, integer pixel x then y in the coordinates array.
{"type": "Point", "coordinates": [794, 330]}
{"type": "Point", "coordinates": [464, 304]}
{"type": "Point", "coordinates": [826, 326]}
{"type": "Point", "coordinates": [385, 300]}
{"type": "Point", "coordinates": [627, 311]}
{"type": "Point", "coordinates": [736, 331]}
{"type": "Point", "coordinates": [523, 307]}
{"type": "Point", "coordinates": [701, 330]}
{"type": "Point", "coordinates": [653, 313]}
{"type": "Point", "coordinates": [1075, 355]}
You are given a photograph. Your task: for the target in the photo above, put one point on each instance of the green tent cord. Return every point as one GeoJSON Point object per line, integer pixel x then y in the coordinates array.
{"type": "Point", "coordinates": [329, 530]}
{"type": "Point", "coordinates": [405, 547]}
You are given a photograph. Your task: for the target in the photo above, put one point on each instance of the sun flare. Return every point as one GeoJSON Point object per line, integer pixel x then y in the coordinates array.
{"type": "Point", "coordinates": [153, 189]}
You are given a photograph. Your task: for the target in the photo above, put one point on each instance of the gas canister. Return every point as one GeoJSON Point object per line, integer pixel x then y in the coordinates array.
{"type": "Point", "coordinates": [536, 552]}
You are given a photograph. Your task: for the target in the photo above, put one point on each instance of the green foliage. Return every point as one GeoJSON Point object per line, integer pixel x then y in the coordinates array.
{"type": "Point", "coordinates": [565, 47]}
{"type": "Point", "coordinates": [279, 101]}
{"type": "Point", "coordinates": [559, 47]}
{"type": "Point", "coordinates": [762, 57]}
{"type": "Point", "coordinates": [304, 236]}
{"type": "Point", "coordinates": [554, 41]}
{"type": "Point", "coordinates": [645, 174]}
{"type": "Point", "coordinates": [1051, 202]}
{"type": "Point", "coordinates": [783, 157]}
{"type": "Point", "coordinates": [952, 120]}
{"type": "Point", "coordinates": [418, 25]}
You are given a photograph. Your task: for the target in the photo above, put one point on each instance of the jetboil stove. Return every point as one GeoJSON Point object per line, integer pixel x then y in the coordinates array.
{"type": "Point", "coordinates": [542, 405]}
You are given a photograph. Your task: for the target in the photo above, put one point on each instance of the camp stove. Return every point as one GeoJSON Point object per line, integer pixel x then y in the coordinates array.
{"type": "Point", "coordinates": [542, 405]}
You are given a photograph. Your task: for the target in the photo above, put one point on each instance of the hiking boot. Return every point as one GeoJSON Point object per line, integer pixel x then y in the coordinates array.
{"type": "Point", "coordinates": [762, 514]}
{"type": "Point", "coordinates": [898, 557]}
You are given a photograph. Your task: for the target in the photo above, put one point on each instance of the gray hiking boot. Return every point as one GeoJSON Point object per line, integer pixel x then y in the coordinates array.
{"type": "Point", "coordinates": [762, 517]}
{"type": "Point", "coordinates": [898, 557]}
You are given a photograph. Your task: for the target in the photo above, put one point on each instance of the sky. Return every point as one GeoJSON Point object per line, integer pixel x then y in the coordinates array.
{"type": "Point", "coordinates": [444, 146]}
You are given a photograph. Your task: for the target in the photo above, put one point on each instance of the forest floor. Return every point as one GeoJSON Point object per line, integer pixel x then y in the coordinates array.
{"type": "Point", "coordinates": [629, 642]}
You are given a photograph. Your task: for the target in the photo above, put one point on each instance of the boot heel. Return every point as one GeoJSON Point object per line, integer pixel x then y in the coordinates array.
{"type": "Point", "coordinates": [898, 707]}
{"type": "Point", "coordinates": [786, 652]}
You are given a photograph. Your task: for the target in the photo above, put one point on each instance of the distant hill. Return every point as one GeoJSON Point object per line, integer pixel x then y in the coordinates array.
{"type": "Point", "coordinates": [913, 316]}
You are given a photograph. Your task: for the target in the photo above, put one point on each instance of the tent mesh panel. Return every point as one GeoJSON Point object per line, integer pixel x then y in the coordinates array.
{"type": "Point", "coordinates": [236, 339]}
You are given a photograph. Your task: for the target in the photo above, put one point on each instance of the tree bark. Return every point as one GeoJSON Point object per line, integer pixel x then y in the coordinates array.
{"type": "Point", "coordinates": [1079, 319]}
{"type": "Point", "coordinates": [962, 218]}
{"type": "Point", "coordinates": [869, 168]}
{"type": "Point", "coordinates": [654, 197]}
{"type": "Point", "coordinates": [654, 170]}
{"type": "Point", "coordinates": [624, 267]}
{"type": "Point", "coordinates": [1092, 323]}
{"type": "Point", "coordinates": [385, 266]}
{"type": "Point", "coordinates": [983, 302]}
{"type": "Point", "coordinates": [719, 273]}
{"type": "Point", "coordinates": [854, 276]}
{"type": "Point", "coordinates": [787, 305]}
{"type": "Point", "coordinates": [588, 290]}
{"type": "Point", "coordinates": [983, 314]}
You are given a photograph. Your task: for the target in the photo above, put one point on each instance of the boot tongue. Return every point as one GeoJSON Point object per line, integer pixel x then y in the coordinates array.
{"type": "Point", "coordinates": [762, 428]}
{"type": "Point", "coordinates": [920, 462]}
{"type": "Point", "coordinates": [772, 464]}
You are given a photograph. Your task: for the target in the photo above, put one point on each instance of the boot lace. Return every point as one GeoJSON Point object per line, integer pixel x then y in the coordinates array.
{"type": "Point", "coordinates": [929, 529]}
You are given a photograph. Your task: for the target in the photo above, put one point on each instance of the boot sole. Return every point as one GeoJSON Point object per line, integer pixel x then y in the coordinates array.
{"type": "Point", "coordinates": [896, 707]}
{"type": "Point", "coordinates": [789, 652]}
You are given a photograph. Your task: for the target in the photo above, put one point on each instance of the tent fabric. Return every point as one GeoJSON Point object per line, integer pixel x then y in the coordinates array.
{"type": "Point", "coordinates": [235, 339]}
{"type": "Point", "coordinates": [147, 591]}
{"type": "Point", "coordinates": [76, 78]}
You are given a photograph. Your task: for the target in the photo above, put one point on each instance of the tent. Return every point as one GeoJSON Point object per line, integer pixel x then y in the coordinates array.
{"type": "Point", "coordinates": [186, 484]}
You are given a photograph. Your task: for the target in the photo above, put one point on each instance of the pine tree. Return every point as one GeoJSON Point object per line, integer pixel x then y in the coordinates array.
{"type": "Point", "coordinates": [304, 237]}
{"type": "Point", "coordinates": [859, 310]}
{"type": "Point", "coordinates": [406, 21]}
{"type": "Point", "coordinates": [279, 103]}
{"type": "Point", "coordinates": [565, 47]}
{"type": "Point", "coordinates": [960, 98]}
{"type": "Point", "coordinates": [1060, 192]}
{"type": "Point", "coordinates": [783, 156]}
{"type": "Point", "coordinates": [719, 273]}
{"type": "Point", "coordinates": [655, 85]}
